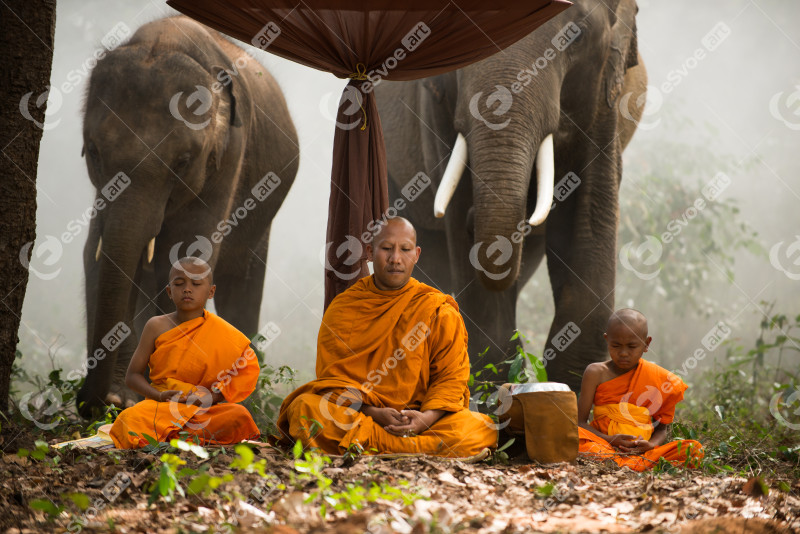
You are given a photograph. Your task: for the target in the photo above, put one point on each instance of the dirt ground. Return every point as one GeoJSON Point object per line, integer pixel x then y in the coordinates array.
{"type": "Point", "coordinates": [441, 496]}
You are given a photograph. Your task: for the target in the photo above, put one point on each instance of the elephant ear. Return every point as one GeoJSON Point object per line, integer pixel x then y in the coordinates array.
{"type": "Point", "coordinates": [624, 52]}
{"type": "Point", "coordinates": [225, 116]}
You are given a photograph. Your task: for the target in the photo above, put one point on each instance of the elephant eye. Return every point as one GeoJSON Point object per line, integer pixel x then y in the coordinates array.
{"type": "Point", "coordinates": [93, 154]}
{"type": "Point", "coordinates": [182, 164]}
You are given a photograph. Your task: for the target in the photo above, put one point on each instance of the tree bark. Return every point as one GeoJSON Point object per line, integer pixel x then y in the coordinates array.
{"type": "Point", "coordinates": [27, 30]}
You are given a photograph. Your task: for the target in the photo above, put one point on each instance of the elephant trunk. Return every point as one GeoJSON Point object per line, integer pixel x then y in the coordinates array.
{"type": "Point", "coordinates": [113, 257]}
{"type": "Point", "coordinates": [501, 182]}
{"type": "Point", "coordinates": [500, 190]}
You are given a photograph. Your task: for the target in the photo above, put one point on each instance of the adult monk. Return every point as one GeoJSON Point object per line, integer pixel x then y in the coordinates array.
{"type": "Point", "coordinates": [634, 402]}
{"type": "Point", "coordinates": [392, 366]}
{"type": "Point", "coordinates": [200, 366]}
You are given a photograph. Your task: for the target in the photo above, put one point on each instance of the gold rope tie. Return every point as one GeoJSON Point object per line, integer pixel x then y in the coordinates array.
{"type": "Point", "coordinates": [361, 74]}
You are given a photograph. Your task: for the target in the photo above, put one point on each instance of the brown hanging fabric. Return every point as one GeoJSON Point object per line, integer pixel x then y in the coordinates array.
{"type": "Point", "coordinates": [368, 40]}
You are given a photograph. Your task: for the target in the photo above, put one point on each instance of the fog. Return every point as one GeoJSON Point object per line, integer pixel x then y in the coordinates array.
{"type": "Point", "coordinates": [728, 92]}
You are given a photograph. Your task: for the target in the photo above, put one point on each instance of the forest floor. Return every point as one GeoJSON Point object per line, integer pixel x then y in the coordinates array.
{"type": "Point", "coordinates": [107, 491]}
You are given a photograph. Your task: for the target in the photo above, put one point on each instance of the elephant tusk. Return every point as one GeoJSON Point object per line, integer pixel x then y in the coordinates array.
{"type": "Point", "coordinates": [151, 247]}
{"type": "Point", "coordinates": [452, 175]}
{"type": "Point", "coordinates": [99, 247]}
{"type": "Point", "coordinates": [545, 177]}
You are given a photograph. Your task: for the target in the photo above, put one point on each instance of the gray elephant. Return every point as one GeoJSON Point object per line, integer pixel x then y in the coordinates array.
{"type": "Point", "coordinates": [523, 156]}
{"type": "Point", "coordinates": [190, 145]}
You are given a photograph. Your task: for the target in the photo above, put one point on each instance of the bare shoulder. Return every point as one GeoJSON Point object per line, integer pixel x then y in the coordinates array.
{"type": "Point", "coordinates": [157, 325]}
{"type": "Point", "coordinates": [598, 372]}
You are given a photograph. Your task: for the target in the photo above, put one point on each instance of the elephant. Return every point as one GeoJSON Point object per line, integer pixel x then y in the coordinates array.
{"type": "Point", "coordinates": [516, 158]}
{"type": "Point", "coordinates": [189, 143]}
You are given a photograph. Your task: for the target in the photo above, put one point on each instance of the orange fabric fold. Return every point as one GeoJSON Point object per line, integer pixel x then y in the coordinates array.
{"type": "Point", "coordinates": [404, 349]}
{"type": "Point", "coordinates": [193, 357]}
{"type": "Point", "coordinates": [630, 404]}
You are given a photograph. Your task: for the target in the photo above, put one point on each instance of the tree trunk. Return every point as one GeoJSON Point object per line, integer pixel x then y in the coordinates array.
{"type": "Point", "coordinates": [27, 30]}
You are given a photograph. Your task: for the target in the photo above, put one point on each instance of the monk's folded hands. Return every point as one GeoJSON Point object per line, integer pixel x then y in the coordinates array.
{"type": "Point", "coordinates": [416, 422]}
{"type": "Point", "coordinates": [623, 441]}
{"type": "Point", "coordinates": [384, 416]}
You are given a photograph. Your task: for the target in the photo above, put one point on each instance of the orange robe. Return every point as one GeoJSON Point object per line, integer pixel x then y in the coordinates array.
{"type": "Point", "coordinates": [193, 357]}
{"type": "Point", "coordinates": [405, 349]}
{"type": "Point", "coordinates": [629, 404]}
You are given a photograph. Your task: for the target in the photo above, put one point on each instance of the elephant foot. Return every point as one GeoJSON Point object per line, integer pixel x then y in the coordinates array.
{"type": "Point", "coordinates": [122, 397]}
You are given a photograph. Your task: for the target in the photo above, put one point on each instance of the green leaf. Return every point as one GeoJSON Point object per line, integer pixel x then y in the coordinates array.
{"type": "Point", "coordinates": [506, 445]}
{"type": "Point", "coordinates": [46, 505]}
{"type": "Point", "coordinates": [297, 450]}
{"type": "Point", "coordinates": [245, 458]}
{"type": "Point", "coordinates": [539, 369]}
{"type": "Point", "coordinates": [81, 500]}
{"type": "Point", "coordinates": [515, 370]}
{"type": "Point", "coordinates": [199, 484]}
{"type": "Point", "coordinates": [546, 490]}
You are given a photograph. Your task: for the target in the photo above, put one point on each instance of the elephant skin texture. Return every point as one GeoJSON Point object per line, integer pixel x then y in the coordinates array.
{"type": "Point", "coordinates": [188, 141]}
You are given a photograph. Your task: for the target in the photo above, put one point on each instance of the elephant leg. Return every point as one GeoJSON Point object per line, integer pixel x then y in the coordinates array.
{"type": "Point", "coordinates": [581, 259]}
{"type": "Point", "coordinates": [145, 301]}
{"type": "Point", "coordinates": [118, 393]}
{"type": "Point", "coordinates": [490, 317]}
{"type": "Point", "coordinates": [240, 286]}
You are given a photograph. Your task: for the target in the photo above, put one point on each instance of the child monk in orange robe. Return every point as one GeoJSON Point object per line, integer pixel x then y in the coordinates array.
{"type": "Point", "coordinates": [392, 366]}
{"type": "Point", "coordinates": [634, 402]}
{"type": "Point", "coordinates": [200, 366]}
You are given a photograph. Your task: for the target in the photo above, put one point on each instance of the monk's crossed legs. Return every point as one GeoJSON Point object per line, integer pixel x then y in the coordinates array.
{"type": "Point", "coordinates": [457, 434]}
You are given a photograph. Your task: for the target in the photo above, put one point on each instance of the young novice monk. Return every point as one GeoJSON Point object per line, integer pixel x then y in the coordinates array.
{"type": "Point", "coordinates": [199, 367]}
{"type": "Point", "coordinates": [634, 401]}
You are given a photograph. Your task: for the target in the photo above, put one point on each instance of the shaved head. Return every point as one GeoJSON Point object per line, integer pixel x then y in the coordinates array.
{"type": "Point", "coordinates": [633, 319]}
{"type": "Point", "coordinates": [394, 222]}
{"type": "Point", "coordinates": [193, 267]}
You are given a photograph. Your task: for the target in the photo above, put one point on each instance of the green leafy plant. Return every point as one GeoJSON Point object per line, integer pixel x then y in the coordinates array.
{"type": "Point", "coordinates": [519, 371]}
{"type": "Point", "coordinates": [500, 456]}
{"type": "Point", "coordinates": [309, 466]}
{"type": "Point", "coordinates": [274, 383]}
{"type": "Point", "coordinates": [730, 413]}
{"type": "Point", "coordinates": [39, 453]}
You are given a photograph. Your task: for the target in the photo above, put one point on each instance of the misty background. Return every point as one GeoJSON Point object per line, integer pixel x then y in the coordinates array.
{"type": "Point", "coordinates": [719, 105]}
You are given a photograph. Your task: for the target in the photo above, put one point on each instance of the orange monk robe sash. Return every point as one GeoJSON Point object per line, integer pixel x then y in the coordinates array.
{"type": "Point", "coordinates": [193, 357]}
{"type": "Point", "coordinates": [404, 349]}
{"type": "Point", "coordinates": [628, 404]}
